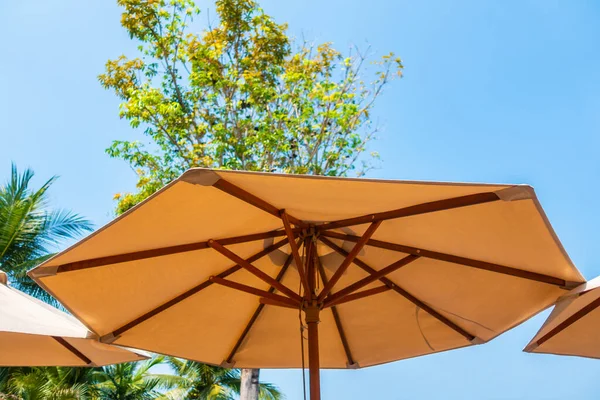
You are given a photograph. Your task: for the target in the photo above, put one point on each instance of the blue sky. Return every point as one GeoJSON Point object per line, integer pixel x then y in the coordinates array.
{"type": "Point", "coordinates": [496, 91]}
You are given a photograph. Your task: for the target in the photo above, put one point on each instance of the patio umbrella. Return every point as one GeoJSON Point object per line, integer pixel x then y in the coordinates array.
{"type": "Point", "coordinates": [572, 327]}
{"type": "Point", "coordinates": [33, 333]}
{"type": "Point", "coordinates": [228, 267]}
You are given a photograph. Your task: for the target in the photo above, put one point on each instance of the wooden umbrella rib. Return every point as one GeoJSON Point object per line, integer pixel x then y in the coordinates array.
{"type": "Point", "coordinates": [271, 302]}
{"type": "Point", "coordinates": [357, 296]}
{"type": "Point", "coordinates": [487, 266]}
{"type": "Point", "coordinates": [252, 290]}
{"type": "Point", "coordinates": [388, 282]}
{"type": "Point", "coordinates": [251, 199]}
{"type": "Point", "coordinates": [453, 259]}
{"type": "Point", "coordinates": [73, 350]}
{"type": "Point", "coordinates": [194, 290]}
{"type": "Point", "coordinates": [164, 251]}
{"type": "Point", "coordinates": [295, 252]}
{"type": "Point", "coordinates": [371, 278]}
{"type": "Point", "coordinates": [433, 206]}
{"type": "Point", "coordinates": [253, 270]}
{"type": "Point", "coordinates": [264, 301]}
{"type": "Point", "coordinates": [348, 259]}
{"type": "Point", "coordinates": [569, 321]}
{"type": "Point", "coordinates": [337, 320]}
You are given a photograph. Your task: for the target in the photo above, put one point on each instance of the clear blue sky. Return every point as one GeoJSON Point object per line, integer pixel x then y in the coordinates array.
{"type": "Point", "coordinates": [498, 91]}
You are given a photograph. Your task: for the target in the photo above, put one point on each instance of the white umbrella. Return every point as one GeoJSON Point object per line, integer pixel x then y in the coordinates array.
{"type": "Point", "coordinates": [33, 333]}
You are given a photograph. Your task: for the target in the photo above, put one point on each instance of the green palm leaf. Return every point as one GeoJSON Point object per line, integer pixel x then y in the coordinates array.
{"type": "Point", "coordinates": [29, 231]}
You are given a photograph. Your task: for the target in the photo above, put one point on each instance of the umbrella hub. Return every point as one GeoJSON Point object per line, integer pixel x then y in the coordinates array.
{"type": "Point", "coordinates": [311, 313]}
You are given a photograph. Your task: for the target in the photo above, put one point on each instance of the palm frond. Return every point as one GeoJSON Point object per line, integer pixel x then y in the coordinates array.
{"type": "Point", "coordinates": [29, 231]}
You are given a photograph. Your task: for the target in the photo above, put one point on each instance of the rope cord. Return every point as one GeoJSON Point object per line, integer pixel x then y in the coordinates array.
{"type": "Point", "coordinates": [302, 329]}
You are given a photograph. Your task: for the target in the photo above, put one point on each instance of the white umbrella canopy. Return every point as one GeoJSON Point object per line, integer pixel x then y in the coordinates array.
{"type": "Point", "coordinates": [33, 333]}
{"type": "Point", "coordinates": [216, 267]}
{"type": "Point", "coordinates": [573, 327]}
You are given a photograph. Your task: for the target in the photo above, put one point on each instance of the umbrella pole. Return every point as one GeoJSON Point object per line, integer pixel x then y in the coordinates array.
{"type": "Point", "coordinates": [312, 320]}
{"type": "Point", "coordinates": [311, 313]}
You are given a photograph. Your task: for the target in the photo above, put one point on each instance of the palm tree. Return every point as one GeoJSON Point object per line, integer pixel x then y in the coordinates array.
{"type": "Point", "coordinates": [134, 381]}
{"type": "Point", "coordinates": [28, 234]}
{"type": "Point", "coordinates": [29, 231]}
{"type": "Point", "coordinates": [206, 382]}
{"type": "Point", "coordinates": [129, 381]}
{"type": "Point", "coordinates": [48, 383]}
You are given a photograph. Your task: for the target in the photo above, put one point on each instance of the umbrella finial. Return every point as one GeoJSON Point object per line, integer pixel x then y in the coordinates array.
{"type": "Point", "coordinates": [3, 278]}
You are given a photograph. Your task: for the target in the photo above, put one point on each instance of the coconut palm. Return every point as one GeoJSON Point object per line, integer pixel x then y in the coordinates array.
{"type": "Point", "coordinates": [29, 231]}
{"type": "Point", "coordinates": [129, 381]}
{"type": "Point", "coordinates": [206, 382]}
{"type": "Point", "coordinates": [134, 381]}
{"type": "Point", "coordinates": [48, 383]}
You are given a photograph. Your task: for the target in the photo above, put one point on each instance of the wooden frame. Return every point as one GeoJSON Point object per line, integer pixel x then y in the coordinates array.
{"type": "Point", "coordinates": [257, 292]}
{"type": "Point", "coordinates": [369, 279]}
{"type": "Point", "coordinates": [263, 302]}
{"type": "Point", "coordinates": [311, 302]}
{"type": "Point", "coordinates": [569, 321]}
{"type": "Point", "coordinates": [164, 251]}
{"type": "Point", "coordinates": [253, 270]}
{"type": "Point", "coordinates": [402, 292]}
{"type": "Point", "coordinates": [424, 208]}
{"type": "Point", "coordinates": [348, 259]}
{"type": "Point", "coordinates": [338, 322]}
{"type": "Point", "coordinates": [487, 266]}
{"type": "Point", "coordinates": [192, 291]}
{"type": "Point", "coordinates": [73, 350]}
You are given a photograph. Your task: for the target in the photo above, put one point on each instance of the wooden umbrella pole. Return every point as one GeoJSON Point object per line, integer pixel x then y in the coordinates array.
{"type": "Point", "coordinates": [312, 320]}
{"type": "Point", "coordinates": [311, 313]}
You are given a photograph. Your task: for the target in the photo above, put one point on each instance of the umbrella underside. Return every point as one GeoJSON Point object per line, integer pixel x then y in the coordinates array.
{"type": "Point", "coordinates": [225, 268]}
{"type": "Point", "coordinates": [33, 333]}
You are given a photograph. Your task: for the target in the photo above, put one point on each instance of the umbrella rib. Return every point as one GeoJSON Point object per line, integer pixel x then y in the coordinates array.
{"type": "Point", "coordinates": [348, 260]}
{"type": "Point", "coordinates": [163, 251]}
{"type": "Point", "coordinates": [424, 208]}
{"type": "Point", "coordinates": [357, 296]}
{"type": "Point", "coordinates": [253, 270]}
{"type": "Point", "coordinates": [337, 320]}
{"type": "Point", "coordinates": [73, 350]}
{"type": "Point", "coordinates": [388, 282]}
{"type": "Point", "coordinates": [193, 290]}
{"type": "Point", "coordinates": [270, 302]}
{"type": "Point", "coordinates": [251, 199]}
{"type": "Point", "coordinates": [295, 252]}
{"type": "Point", "coordinates": [501, 269]}
{"type": "Point", "coordinates": [256, 314]}
{"type": "Point", "coordinates": [569, 321]}
{"type": "Point", "coordinates": [371, 278]}
{"type": "Point", "coordinates": [252, 290]}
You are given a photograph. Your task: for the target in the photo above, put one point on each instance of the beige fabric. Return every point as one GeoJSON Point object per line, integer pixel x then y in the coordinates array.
{"type": "Point", "coordinates": [28, 328]}
{"type": "Point", "coordinates": [580, 338]}
{"type": "Point", "coordinates": [512, 231]}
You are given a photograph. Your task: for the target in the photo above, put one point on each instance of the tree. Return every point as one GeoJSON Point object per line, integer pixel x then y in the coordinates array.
{"type": "Point", "coordinates": [206, 382]}
{"type": "Point", "coordinates": [129, 381]}
{"type": "Point", "coordinates": [48, 383]}
{"type": "Point", "coordinates": [29, 230]}
{"type": "Point", "coordinates": [239, 95]}
{"type": "Point", "coordinates": [133, 381]}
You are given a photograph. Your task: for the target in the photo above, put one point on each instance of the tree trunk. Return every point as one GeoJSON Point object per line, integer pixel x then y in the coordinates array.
{"type": "Point", "coordinates": [249, 386]}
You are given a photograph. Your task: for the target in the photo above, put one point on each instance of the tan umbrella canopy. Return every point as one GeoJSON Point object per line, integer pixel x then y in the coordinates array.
{"type": "Point", "coordinates": [32, 333]}
{"type": "Point", "coordinates": [573, 326]}
{"type": "Point", "coordinates": [216, 266]}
